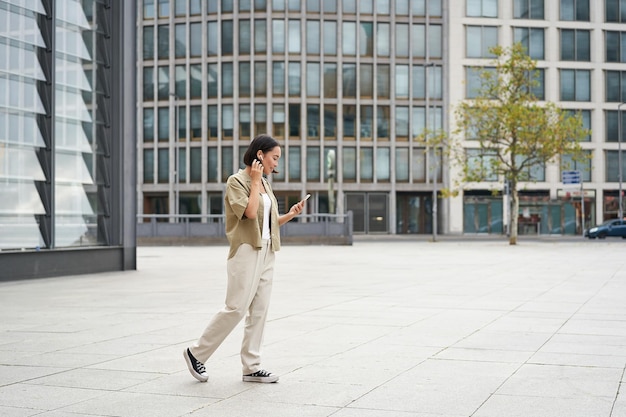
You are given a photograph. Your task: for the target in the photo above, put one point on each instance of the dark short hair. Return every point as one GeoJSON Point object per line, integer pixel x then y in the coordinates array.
{"type": "Point", "coordinates": [263, 143]}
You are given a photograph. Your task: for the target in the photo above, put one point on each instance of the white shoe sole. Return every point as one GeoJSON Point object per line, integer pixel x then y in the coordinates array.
{"type": "Point", "coordinates": [192, 371]}
{"type": "Point", "coordinates": [266, 380]}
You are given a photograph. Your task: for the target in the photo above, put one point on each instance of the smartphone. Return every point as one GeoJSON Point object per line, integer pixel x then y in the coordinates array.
{"type": "Point", "coordinates": [307, 197]}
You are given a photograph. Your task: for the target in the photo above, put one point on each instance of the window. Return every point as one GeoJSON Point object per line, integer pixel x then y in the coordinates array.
{"type": "Point", "coordinates": [613, 127]}
{"type": "Point", "coordinates": [538, 87]}
{"type": "Point", "coordinates": [313, 121]}
{"type": "Point", "coordinates": [367, 122]}
{"type": "Point", "coordinates": [293, 162]}
{"type": "Point", "coordinates": [244, 79]}
{"type": "Point", "coordinates": [212, 125]}
{"type": "Point", "coordinates": [616, 46]}
{"type": "Point", "coordinates": [584, 166]}
{"type": "Point", "coordinates": [148, 42]}
{"type": "Point", "coordinates": [575, 10]}
{"type": "Point", "coordinates": [479, 39]}
{"type": "Point", "coordinates": [366, 80]}
{"type": "Point", "coordinates": [164, 83]}
{"type": "Point", "coordinates": [180, 41]}
{"type": "Point", "coordinates": [293, 45]}
{"type": "Point", "coordinates": [349, 122]}
{"type": "Point", "coordinates": [402, 123]}
{"type": "Point", "coordinates": [163, 42]}
{"type": "Point", "coordinates": [473, 81]}
{"type": "Point", "coordinates": [575, 85]}
{"type": "Point", "coordinates": [382, 7]}
{"type": "Point", "coordinates": [330, 122]}
{"type": "Point", "coordinates": [278, 36]}
{"type": "Point", "coordinates": [278, 78]}
{"type": "Point", "coordinates": [366, 39]}
{"type": "Point", "coordinates": [615, 11]}
{"type": "Point", "coordinates": [402, 164]}
{"type": "Point", "coordinates": [148, 166]}
{"type": "Point", "coordinates": [245, 125]}
{"type": "Point", "coordinates": [195, 164]}
{"type": "Point", "coordinates": [294, 79]}
{"type": "Point", "coordinates": [212, 164]}
{"type": "Point", "coordinates": [612, 166]}
{"type": "Point", "coordinates": [528, 9]}
{"type": "Point", "coordinates": [195, 39]}
{"type": "Point", "coordinates": [402, 81]}
{"type": "Point", "coordinates": [313, 163]}
{"type": "Point", "coordinates": [260, 118]}
{"type": "Point", "coordinates": [294, 123]}
{"type": "Point", "coordinates": [148, 84]}
{"type": "Point", "coordinates": [402, 46]}
{"type": "Point", "coordinates": [615, 86]}
{"type": "Point", "coordinates": [245, 38]}
{"type": "Point", "coordinates": [382, 39]}
{"type": "Point", "coordinates": [330, 80]}
{"type": "Point", "coordinates": [349, 80]}
{"type": "Point", "coordinates": [227, 79]}
{"type": "Point", "coordinates": [212, 38]}
{"type": "Point", "coordinates": [312, 79]}
{"type": "Point", "coordinates": [181, 81]}
{"type": "Point", "coordinates": [349, 38]}
{"type": "Point", "coordinates": [330, 38]}
{"type": "Point", "coordinates": [481, 8]}
{"type": "Point", "coordinates": [163, 171]}
{"type": "Point", "coordinates": [260, 40]}
{"type": "Point", "coordinates": [383, 81]}
{"type": "Point", "coordinates": [349, 164]}
{"type": "Point", "coordinates": [312, 37]}
{"type": "Point", "coordinates": [586, 119]}
{"type": "Point", "coordinates": [228, 122]}
{"type": "Point", "coordinates": [148, 125]}
{"type": "Point", "coordinates": [576, 45]}
{"type": "Point", "coordinates": [479, 164]}
{"type": "Point", "coordinates": [195, 80]}
{"type": "Point", "coordinates": [366, 164]}
{"type": "Point", "coordinates": [532, 39]}
{"type": "Point", "coordinates": [383, 164]}
{"type": "Point", "coordinates": [212, 80]}
{"type": "Point", "coordinates": [418, 41]}
{"type": "Point", "coordinates": [260, 79]}
{"type": "Point", "coordinates": [383, 120]}
{"type": "Point", "coordinates": [227, 37]}
{"type": "Point", "coordinates": [278, 120]}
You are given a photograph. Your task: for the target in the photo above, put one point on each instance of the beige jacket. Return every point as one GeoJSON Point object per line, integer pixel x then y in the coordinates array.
{"type": "Point", "coordinates": [239, 228]}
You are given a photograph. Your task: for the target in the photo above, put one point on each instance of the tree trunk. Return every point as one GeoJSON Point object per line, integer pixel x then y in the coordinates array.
{"type": "Point", "coordinates": [514, 214]}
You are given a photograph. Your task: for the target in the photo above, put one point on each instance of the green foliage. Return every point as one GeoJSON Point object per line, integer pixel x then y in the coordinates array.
{"type": "Point", "coordinates": [512, 130]}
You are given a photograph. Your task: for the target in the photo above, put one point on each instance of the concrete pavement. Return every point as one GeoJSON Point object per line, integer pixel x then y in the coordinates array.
{"type": "Point", "coordinates": [378, 329]}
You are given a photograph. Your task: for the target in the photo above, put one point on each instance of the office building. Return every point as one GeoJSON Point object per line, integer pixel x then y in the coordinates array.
{"type": "Point", "coordinates": [361, 80]}
{"type": "Point", "coordinates": [67, 137]}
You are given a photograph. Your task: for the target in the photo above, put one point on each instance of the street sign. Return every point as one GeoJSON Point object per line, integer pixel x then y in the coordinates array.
{"type": "Point", "coordinates": [570, 177]}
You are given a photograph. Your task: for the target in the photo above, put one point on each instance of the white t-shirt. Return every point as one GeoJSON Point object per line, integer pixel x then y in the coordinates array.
{"type": "Point", "coordinates": [267, 205]}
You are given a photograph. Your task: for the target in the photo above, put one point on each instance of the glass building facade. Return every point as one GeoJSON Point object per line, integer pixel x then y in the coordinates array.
{"type": "Point", "coordinates": [67, 137]}
{"type": "Point", "coordinates": [360, 79]}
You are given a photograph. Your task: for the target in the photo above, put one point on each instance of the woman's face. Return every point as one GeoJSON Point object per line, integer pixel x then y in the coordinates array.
{"type": "Point", "coordinates": [270, 159]}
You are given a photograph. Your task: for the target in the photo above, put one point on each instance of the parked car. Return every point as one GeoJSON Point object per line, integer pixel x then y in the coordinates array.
{"type": "Point", "coordinates": [615, 227]}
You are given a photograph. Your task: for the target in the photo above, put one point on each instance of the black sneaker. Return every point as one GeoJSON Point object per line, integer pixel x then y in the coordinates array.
{"type": "Point", "coordinates": [261, 376]}
{"type": "Point", "coordinates": [195, 367]}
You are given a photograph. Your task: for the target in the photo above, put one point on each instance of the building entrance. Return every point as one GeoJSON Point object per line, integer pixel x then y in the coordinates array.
{"type": "Point", "coordinates": [414, 213]}
{"type": "Point", "coordinates": [370, 212]}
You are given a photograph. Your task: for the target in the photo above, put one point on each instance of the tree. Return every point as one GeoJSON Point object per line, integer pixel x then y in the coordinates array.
{"type": "Point", "coordinates": [513, 131]}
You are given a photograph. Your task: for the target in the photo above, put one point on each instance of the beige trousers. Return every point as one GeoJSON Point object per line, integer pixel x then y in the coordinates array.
{"type": "Point", "coordinates": [250, 274]}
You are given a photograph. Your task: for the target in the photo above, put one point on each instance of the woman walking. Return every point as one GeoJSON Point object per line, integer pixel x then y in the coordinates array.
{"type": "Point", "coordinates": [252, 223]}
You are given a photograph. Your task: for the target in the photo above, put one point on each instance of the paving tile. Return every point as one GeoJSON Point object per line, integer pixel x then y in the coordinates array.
{"type": "Point", "coordinates": [389, 328]}
{"type": "Point", "coordinates": [522, 406]}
